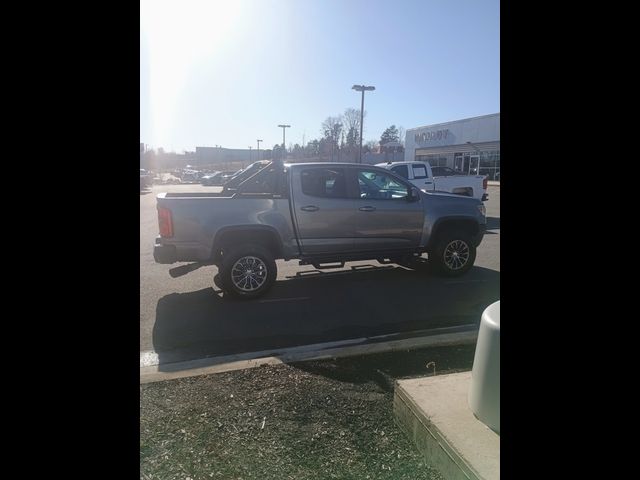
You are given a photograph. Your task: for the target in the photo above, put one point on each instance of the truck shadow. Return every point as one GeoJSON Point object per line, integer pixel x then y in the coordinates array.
{"type": "Point", "coordinates": [384, 368]}
{"type": "Point", "coordinates": [316, 308]}
{"type": "Point", "coordinates": [493, 223]}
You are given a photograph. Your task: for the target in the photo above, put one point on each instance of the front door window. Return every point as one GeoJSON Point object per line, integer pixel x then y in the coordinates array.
{"type": "Point", "coordinates": [380, 186]}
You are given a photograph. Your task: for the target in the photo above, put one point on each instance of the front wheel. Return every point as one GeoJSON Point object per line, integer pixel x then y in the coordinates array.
{"type": "Point", "coordinates": [248, 271]}
{"type": "Point", "coordinates": [453, 254]}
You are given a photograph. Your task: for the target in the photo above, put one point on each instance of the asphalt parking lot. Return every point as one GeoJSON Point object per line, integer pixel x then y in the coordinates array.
{"type": "Point", "coordinates": [188, 317]}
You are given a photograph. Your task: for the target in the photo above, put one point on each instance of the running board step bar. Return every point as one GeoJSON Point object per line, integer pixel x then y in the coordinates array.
{"type": "Point", "coordinates": [323, 266]}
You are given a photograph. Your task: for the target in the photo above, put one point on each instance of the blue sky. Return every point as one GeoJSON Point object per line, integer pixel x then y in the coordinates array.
{"type": "Point", "coordinates": [228, 72]}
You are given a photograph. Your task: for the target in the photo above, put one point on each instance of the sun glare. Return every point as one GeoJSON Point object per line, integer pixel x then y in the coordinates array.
{"type": "Point", "coordinates": [178, 34]}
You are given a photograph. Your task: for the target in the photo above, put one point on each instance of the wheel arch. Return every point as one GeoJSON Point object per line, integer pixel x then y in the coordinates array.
{"type": "Point", "coordinates": [264, 235]}
{"type": "Point", "coordinates": [446, 224]}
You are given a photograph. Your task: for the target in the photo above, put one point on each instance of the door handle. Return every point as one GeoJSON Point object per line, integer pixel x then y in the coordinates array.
{"type": "Point", "coordinates": [367, 209]}
{"type": "Point", "coordinates": [428, 183]}
{"type": "Point", "coordinates": [310, 208]}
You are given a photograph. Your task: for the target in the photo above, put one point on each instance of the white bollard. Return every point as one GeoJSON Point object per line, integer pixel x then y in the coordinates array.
{"type": "Point", "coordinates": [484, 394]}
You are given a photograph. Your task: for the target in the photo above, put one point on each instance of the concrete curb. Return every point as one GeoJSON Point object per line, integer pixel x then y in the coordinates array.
{"type": "Point", "coordinates": [207, 366]}
{"type": "Point", "coordinates": [435, 414]}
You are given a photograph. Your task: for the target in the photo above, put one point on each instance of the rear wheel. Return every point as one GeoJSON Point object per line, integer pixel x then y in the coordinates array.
{"type": "Point", "coordinates": [247, 271]}
{"type": "Point", "coordinates": [453, 254]}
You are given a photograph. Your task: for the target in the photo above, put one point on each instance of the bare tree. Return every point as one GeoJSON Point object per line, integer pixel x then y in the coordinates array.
{"type": "Point", "coordinates": [401, 134]}
{"type": "Point", "coordinates": [369, 146]}
{"type": "Point", "coordinates": [331, 130]}
{"type": "Point", "coordinates": [351, 119]}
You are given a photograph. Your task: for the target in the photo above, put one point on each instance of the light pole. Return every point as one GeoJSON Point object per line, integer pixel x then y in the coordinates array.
{"type": "Point", "coordinates": [361, 88]}
{"type": "Point", "coordinates": [258, 148]}
{"type": "Point", "coordinates": [284, 149]}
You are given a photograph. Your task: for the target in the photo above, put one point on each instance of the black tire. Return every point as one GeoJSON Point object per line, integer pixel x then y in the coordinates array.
{"type": "Point", "coordinates": [217, 282]}
{"type": "Point", "coordinates": [451, 248]}
{"type": "Point", "coordinates": [254, 259]}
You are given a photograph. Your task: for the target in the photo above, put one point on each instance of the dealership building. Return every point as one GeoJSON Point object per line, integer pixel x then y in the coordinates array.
{"type": "Point", "coordinates": [470, 146]}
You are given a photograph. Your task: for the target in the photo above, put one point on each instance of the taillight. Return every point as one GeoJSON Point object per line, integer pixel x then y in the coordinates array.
{"type": "Point", "coordinates": [164, 222]}
{"type": "Point", "coordinates": [485, 182]}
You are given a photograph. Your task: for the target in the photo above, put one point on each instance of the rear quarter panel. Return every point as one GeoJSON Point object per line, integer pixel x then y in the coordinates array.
{"type": "Point", "coordinates": [197, 220]}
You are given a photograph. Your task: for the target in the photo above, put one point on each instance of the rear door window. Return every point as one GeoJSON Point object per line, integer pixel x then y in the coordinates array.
{"type": "Point", "coordinates": [324, 182]}
{"type": "Point", "coordinates": [419, 171]}
{"type": "Point", "coordinates": [402, 170]}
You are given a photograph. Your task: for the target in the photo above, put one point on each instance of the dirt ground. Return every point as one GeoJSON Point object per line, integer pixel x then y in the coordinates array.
{"type": "Point", "coordinates": [323, 419]}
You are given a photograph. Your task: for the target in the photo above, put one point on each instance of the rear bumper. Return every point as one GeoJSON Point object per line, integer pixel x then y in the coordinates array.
{"type": "Point", "coordinates": [164, 253]}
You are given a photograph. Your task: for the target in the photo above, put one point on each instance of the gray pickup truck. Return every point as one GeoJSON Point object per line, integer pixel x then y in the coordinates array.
{"type": "Point", "coordinates": [323, 214]}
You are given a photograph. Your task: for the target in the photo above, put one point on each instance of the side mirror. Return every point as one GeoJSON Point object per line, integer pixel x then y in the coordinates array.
{"type": "Point", "coordinates": [414, 195]}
